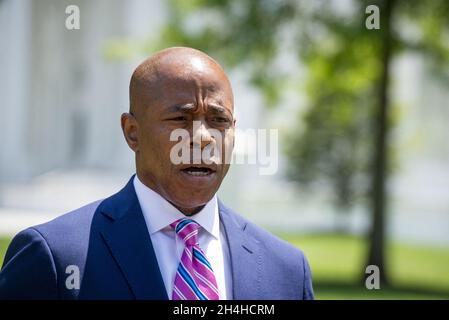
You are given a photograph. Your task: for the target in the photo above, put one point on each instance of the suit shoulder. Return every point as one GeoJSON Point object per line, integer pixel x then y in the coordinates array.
{"type": "Point", "coordinates": [73, 221]}
{"type": "Point", "coordinates": [68, 235]}
{"type": "Point", "coordinates": [273, 242]}
{"type": "Point", "coordinates": [28, 270]}
{"type": "Point", "coordinates": [266, 239]}
{"type": "Point", "coordinates": [281, 257]}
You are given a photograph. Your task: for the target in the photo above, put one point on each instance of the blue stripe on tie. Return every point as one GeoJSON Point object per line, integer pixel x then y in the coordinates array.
{"type": "Point", "coordinates": [202, 258]}
{"type": "Point", "coordinates": [182, 224]}
{"type": "Point", "coordinates": [188, 279]}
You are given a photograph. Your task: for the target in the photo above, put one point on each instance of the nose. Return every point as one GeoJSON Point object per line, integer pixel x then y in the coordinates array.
{"type": "Point", "coordinates": [201, 135]}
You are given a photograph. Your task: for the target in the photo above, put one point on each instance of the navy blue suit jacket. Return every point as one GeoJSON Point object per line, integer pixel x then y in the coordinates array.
{"type": "Point", "coordinates": [108, 243]}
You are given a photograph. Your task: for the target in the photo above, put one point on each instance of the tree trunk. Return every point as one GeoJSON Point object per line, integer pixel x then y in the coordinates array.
{"type": "Point", "coordinates": [376, 255]}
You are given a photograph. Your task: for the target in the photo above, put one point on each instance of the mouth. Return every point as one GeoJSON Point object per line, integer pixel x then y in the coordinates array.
{"type": "Point", "coordinates": [198, 171]}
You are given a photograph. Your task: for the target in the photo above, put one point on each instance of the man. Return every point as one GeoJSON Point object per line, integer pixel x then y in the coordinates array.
{"type": "Point", "coordinates": [165, 235]}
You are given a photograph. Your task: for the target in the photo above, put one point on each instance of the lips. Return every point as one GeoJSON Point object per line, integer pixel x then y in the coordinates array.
{"type": "Point", "coordinates": [198, 171]}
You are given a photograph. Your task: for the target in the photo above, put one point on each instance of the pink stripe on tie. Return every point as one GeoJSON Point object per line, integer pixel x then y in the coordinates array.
{"type": "Point", "coordinates": [194, 280]}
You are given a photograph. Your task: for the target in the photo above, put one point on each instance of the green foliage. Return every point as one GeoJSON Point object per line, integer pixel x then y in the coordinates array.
{"type": "Point", "coordinates": [237, 33]}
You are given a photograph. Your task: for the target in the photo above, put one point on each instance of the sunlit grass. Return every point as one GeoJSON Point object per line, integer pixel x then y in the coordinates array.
{"type": "Point", "coordinates": [4, 242]}
{"type": "Point", "coordinates": [337, 262]}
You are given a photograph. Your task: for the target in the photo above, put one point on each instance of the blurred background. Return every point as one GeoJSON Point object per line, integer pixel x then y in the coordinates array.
{"type": "Point", "coordinates": [362, 116]}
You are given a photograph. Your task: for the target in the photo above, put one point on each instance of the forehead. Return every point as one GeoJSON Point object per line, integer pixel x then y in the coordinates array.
{"type": "Point", "coordinates": [186, 87]}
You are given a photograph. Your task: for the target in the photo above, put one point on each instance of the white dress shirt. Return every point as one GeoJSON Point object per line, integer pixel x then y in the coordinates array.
{"type": "Point", "coordinates": [168, 247]}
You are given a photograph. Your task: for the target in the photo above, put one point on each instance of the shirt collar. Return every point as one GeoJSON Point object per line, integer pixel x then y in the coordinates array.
{"type": "Point", "coordinates": [159, 213]}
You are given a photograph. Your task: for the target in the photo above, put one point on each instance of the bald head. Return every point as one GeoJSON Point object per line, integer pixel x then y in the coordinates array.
{"type": "Point", "coordinates": [165, 70]}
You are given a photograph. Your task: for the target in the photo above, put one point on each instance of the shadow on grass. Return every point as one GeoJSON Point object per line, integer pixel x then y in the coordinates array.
{"type": "Point", "coordinates": [339, 290]}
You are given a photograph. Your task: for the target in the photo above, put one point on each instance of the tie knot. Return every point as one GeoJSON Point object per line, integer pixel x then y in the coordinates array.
{"type": "Point", "coordinates": [187, 230]}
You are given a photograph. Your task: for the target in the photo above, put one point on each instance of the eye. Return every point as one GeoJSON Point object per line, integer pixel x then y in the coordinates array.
{"type": "Point", "coordinates": [220, 119]}
{"type": "Point", "coordinates": [180, 118]}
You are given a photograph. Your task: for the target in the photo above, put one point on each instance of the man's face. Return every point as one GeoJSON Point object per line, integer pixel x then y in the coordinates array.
{"type": "Point", "coordinates": [201, 94]}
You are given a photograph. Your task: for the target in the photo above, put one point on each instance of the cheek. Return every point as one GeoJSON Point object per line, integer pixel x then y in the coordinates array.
{"type": "Point", "coordinates": [228, 147]}
{"type": "Point", "coordinates": [152, 147]}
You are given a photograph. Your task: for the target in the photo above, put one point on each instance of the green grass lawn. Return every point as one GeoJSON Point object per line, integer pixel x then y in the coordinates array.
{"type": "Point", "coordinates": [417, 272]}
{"type": "Point", "coordinates": [337, 263]}
{"type": "Point", "coordinates": [4, 242]}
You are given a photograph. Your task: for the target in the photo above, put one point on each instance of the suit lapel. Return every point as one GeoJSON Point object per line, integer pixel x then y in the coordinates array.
{"type": "Point", "coordinates": [130, 244]}
{"type": "Point", "coordinates": [246, 260]}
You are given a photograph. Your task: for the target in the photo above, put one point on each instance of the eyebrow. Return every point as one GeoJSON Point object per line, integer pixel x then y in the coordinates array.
{"type": "Point", "coordinates": [217, 108]}
{"type": "Point", "coordinates": [182, 108]}
{"type": "Point", "coordinates": [191, 107]}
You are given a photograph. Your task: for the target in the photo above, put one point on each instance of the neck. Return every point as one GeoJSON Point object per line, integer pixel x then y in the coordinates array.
{"type": "Point", "coordinates": [152, 186]}
{"type": "Point", "coordinates": [188, 211]}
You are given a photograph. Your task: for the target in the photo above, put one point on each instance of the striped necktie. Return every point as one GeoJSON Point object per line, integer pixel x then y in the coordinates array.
{"type": "Point", "coordinates": [195, 278]}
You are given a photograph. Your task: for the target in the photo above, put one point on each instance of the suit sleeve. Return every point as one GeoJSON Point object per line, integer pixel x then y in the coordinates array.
{"type": "Point", "coordinates": [308, 289]}
{"type": "Point", "coordinates": [28, 271]}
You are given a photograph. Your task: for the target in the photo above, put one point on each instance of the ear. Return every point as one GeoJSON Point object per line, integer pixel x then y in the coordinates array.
{"type": "Point", "coordinates": [130, 129]}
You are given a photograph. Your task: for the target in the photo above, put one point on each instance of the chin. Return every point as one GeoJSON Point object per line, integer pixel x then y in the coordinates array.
{"type": "Point", "coordinates": [191, 202]}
